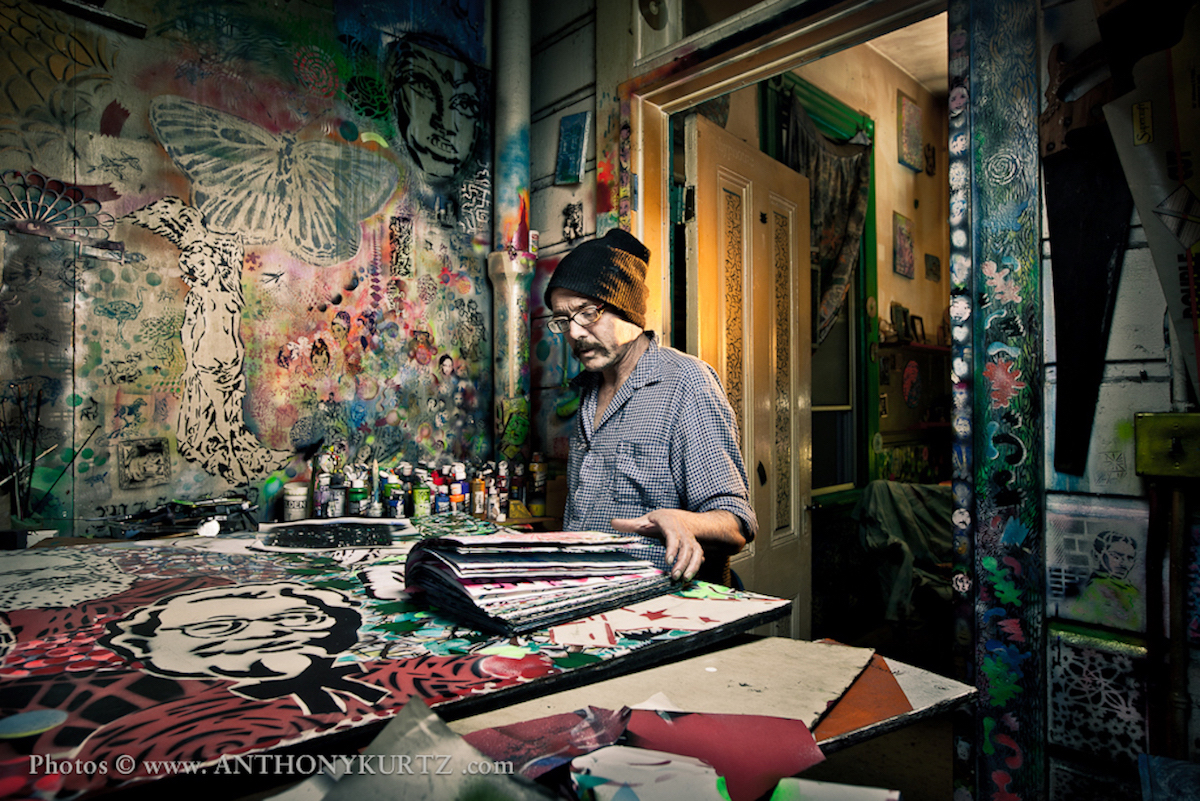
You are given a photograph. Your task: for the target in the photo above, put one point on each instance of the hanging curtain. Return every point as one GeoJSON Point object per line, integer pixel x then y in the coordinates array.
{"type": "Point", "coordinates": [839, 175]}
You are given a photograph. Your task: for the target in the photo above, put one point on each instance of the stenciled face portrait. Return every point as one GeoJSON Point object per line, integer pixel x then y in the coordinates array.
{"type": "Point", "coordinates": [260, 632]}
{"type": "Point", "coordinates": [1117, 554]}
{"type": "Point", "coordinates": [437, 100]}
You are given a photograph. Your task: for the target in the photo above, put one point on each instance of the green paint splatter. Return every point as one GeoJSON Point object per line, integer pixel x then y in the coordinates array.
{"type": "Point", "coordinates": [1006, 591]}
{"type": "Point", "coordinates": [1003, 683]}
{"type": "Point", "coordinates": [988, 725]}
{"type": "Point", "coordinates": [106, 275]}
{"type": "Point", "coordinates": [74, 400]}
{"type": "Point", "coordinates": [154, 279]}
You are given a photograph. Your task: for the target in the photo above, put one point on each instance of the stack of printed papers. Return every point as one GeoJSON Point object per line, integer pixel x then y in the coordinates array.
{"type": "Point", "coordinates": [513, 582]}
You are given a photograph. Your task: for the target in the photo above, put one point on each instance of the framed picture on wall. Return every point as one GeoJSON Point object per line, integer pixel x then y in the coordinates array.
{"type": "Point", "coordinates": [900, 323]}
{"type": "Point", "coordinates": [903, 260]}
{"type": "Point", "coordinates": [908, 130]}
{"type": "Point", "coordinates": [933, 267]}
{"type": "Point", "coordinates": [918, 329]}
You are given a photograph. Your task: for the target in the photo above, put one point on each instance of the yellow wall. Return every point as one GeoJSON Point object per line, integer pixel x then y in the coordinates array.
{"type": "Point", "coordinates": [867, 81]}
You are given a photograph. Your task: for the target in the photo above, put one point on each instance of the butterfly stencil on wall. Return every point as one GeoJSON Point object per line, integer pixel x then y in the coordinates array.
{"type": "Point", "coordinates": [308, 195]}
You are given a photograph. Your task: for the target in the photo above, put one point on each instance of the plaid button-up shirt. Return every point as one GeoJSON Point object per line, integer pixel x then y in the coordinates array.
{"type": "Point", "coordinates": [668, 439]}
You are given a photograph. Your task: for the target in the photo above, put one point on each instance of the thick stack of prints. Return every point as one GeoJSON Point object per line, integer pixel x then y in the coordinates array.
{"type": "Point", "coordinates": [514, 582]}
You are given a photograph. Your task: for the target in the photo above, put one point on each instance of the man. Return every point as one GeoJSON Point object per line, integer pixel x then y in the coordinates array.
{"type": "Point", "coordinates": [654, 450]}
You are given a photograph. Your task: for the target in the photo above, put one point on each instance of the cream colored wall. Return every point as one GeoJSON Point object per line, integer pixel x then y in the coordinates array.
{"type": "Point", "coordinates": [865, 80]}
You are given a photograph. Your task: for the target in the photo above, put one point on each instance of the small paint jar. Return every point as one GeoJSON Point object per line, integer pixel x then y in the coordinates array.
{"type": "Point", "coordinates": [295, 502]}
{"type": "Point", "coordinates": [357, 502]}
{"type": "Point", "coordinates": [337, 502]}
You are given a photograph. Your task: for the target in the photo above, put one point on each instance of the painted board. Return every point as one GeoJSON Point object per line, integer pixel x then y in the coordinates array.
{"type": "Point", "coordinates": [1096, 561]}
{"type": "Point", "coordinates": [177, 652]}
{"type": "Point", "coordinates": [774, 676]}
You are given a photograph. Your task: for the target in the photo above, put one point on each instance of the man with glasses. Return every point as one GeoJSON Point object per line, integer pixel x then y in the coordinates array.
{"type": "Point", "coordinates": [654, 450]}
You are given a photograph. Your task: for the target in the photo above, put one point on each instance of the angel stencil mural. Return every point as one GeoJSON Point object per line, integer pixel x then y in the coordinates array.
{"type": "Point", "coordinates": [210, 427]}
{"type": "Point", "coordinates": [250, 186]}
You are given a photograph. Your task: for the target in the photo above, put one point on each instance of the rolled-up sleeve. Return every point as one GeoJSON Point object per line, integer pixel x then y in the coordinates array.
{"type": "Point", "coordinates": [706, 458]}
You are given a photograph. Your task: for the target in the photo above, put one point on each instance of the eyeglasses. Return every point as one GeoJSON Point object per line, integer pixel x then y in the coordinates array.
{"type": "Point", "coordinates": [585, 316]}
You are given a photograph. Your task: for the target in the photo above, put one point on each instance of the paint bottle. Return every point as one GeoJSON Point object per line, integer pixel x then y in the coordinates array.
{"type": "Point", "coordinates": [406, 489]}
{"type": "Point", "coordinates": [295, 501]}
{"type": "Point", "coordinates": [420, 500]}
{"type": "Point", "coordinates": [493, 505]}
{"type": "Point", "coordinates": [536, 492]}
{"type": "Point", "coordinates": [441, 502]}
{"type": "Point", "coordinates": [321, 496]}
{"type": "Point", "coordinates": [502, 489]}
{"type": "Point", "coordinates": [337, 500]}
{"type": "Point", "coordinates": [478, 496]}
{"type": "Point", "coordinates": [459, 488]}
{"type": "Point", "coordinates": [516, 484]}
{"type": "Point", "coordinates": [357, 500]}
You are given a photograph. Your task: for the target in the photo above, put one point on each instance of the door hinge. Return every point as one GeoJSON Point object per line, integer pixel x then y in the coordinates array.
{"type": "Point", "coordinates": [689, 203]}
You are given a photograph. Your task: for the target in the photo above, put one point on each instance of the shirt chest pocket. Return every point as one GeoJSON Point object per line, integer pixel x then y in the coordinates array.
{"type": "Point", "coordinates": [642, 476]}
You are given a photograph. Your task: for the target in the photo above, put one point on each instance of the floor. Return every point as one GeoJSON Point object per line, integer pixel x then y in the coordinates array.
{"type": "Point", "coordinates": [916, 760]}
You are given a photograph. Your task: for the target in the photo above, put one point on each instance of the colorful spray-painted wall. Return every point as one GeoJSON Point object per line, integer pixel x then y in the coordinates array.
{"type": "Point", "coordinates": [235, 234]}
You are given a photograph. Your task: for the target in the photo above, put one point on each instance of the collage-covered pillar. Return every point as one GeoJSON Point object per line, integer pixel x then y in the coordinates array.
{"type": "Point", "coordinates": [511, 263]}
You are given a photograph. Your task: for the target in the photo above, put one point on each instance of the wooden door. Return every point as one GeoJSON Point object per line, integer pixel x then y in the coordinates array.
{"type": "Point", "coordinates": [748, 316]}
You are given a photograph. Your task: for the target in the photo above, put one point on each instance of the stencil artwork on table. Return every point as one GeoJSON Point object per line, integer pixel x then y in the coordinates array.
{"type": "Point", "coordinates": [197, 647]}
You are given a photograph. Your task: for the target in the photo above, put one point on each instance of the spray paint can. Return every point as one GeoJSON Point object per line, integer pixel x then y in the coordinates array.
{"type": "Point", "coordinates": [337, 501]}
{"type": "Point", "coordinates": [420, 496]}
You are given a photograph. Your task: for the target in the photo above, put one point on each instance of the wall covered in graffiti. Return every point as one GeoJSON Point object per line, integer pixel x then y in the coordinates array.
{"type": "Point", "coordinates": [237, 233]}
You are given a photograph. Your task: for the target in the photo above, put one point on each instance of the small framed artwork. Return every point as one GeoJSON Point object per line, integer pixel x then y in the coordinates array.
{"type": "Point", "coordinates": [903, 260]}
{"type": "Point", "coordinates": [900, 323]}
{"type": "Point", "coordinates": [909, 147]}
{"type": "Point", "coordinates": [918, 329]}
{"type": "Point", "coordinates": [933, 267]}
{"type": "Point", "coordinates": [883, 404]}
{"type": "Point", "coordinates": [573, 132]}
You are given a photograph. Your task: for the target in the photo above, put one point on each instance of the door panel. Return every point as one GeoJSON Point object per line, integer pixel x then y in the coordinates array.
{"type": "Point", "coordinates": [748, 317]}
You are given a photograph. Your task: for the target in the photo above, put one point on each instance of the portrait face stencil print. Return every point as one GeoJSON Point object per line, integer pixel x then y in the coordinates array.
{"type": "Point", "coordinates": [437, 103]}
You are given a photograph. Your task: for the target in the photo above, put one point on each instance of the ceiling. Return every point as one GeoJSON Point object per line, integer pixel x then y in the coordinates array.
{"type": "Point", "coordinates": [921, 50]}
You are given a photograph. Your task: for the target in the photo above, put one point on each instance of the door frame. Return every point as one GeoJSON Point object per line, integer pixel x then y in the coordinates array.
{"type": "Point", "coordinates": [704, 69]}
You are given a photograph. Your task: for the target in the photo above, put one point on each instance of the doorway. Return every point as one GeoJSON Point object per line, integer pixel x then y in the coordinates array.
{"type": "Point", "coordinates": [653, 107]}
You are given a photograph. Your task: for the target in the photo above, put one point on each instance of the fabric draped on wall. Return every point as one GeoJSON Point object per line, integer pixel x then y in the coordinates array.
{"type": "Point", "coordinates": [839, 174]}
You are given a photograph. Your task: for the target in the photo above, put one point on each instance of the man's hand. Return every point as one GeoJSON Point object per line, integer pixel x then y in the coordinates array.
{"type": "Point", "coordinates": [682, 532]}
